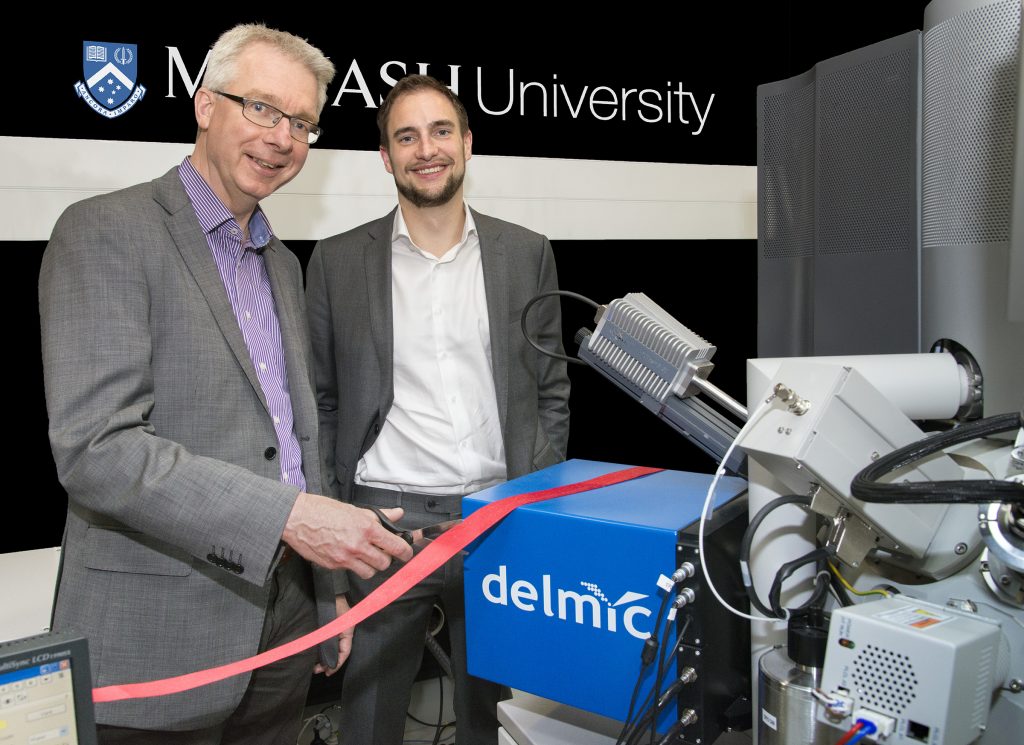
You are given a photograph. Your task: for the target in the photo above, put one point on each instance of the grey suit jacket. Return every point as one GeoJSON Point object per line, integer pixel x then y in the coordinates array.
{"type": "Point", "coordinates": [348, 295]}
{"type": "Point", "coordinates": [162, 438]}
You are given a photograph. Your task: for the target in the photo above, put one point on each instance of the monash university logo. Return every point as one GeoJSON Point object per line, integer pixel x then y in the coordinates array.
{"type": "Point", "coordinates": [592, 607]}
{"type": "Point", "coordinates": [109, 71]}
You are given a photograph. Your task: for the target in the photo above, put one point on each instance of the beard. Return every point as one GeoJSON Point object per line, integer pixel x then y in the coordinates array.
{"type": "Point", "coordinates": [423, 199]}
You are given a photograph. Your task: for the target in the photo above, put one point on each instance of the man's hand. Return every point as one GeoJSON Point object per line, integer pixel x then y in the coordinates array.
{"type": "Point", "coordinates": [337, 535]}
{"type": "Point", "coordinates": [344, 640]}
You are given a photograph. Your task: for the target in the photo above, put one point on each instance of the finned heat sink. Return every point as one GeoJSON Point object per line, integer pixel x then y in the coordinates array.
{"type": "Point", "coordinates": [648, 347]}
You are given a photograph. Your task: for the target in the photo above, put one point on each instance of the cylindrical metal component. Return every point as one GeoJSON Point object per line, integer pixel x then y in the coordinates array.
{"type": "Point", "coordinates": [787, 704]}
{"type": "Point", "coordinates": [685, 597]}
{"type": "Point", "coordinates": [722, 397]}
{"type": "Point", "coordinates": [685, 571]}
{"type": "Point", "coordinates": [922, 386]}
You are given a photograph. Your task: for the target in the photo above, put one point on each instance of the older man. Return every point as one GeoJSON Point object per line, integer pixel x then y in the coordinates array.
{"type": "Point", "coordinates": [183, 421]}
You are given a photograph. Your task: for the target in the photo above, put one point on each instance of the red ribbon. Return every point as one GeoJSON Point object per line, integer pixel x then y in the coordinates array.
{"type": "Point", "coordinates": [422, 565]}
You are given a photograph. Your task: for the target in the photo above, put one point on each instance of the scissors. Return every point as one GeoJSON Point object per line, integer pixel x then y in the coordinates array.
{"type": "Point", "coordinates": [419, 537]}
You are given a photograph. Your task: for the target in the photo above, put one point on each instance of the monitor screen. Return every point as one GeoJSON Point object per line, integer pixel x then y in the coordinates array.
{"type": "Point", "coordinates": [46, 691]}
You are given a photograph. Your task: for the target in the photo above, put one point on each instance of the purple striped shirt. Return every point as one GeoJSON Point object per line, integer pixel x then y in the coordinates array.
{"type": "Point", "coordinates": [244, 274]}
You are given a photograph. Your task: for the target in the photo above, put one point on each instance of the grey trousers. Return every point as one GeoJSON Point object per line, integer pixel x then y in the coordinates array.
{"type": "Point", "coordinates": [388, 647]}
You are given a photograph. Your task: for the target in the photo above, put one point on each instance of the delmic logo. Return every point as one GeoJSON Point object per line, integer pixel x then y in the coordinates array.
{"type": "Point", "coordinates": [569, 605]}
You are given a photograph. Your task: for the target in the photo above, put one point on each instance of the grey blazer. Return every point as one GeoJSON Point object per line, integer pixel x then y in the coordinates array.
{"type": "Point", "coordinates": [163, 441]}
{"type": "Point", "coordinates": [348, 295]}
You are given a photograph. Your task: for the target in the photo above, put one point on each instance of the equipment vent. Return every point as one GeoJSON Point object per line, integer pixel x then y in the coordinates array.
{"type": "Point", "coordinates": [970, 105]}
{"type": "Point", "coordinates": [982, 688]}
{"type": "Point", "coordinates": [884, 679]}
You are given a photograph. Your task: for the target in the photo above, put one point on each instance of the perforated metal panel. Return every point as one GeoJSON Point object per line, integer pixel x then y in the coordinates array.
{"type": "Point", "coordinates": [785, 176]}
{"type": "Point", "coordinates": [970, 100]}
{"type": "Point", "coordinates": [867, 153]}
{"type": "Point", "coordinates": [885, 680]}
{"type": "Point", "coordinates": [838, 205]}
{"type": "Point", "coordinates": [969, 114]}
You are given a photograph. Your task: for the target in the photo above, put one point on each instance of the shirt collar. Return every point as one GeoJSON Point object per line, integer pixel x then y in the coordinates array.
{"type": "Point", "coordinates": [211, 211]}
{"type": "Point", "coordinates": [400, 230]}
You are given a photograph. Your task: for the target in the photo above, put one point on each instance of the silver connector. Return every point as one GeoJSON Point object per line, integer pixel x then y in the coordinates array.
{"type": "Point", "coordinates": [685, 597]}
{"type": "Point", "coordinates": [787, 395]}
{"type": "Point", "coordinates": [685, 571]}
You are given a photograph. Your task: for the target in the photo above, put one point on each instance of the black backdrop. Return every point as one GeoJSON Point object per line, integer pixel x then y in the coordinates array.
{"type": "Point", "coordinates": [708, 285]}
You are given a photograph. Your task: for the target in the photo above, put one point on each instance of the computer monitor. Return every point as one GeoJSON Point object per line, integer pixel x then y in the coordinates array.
{"type": "Point", "coordinates": [46, 691]}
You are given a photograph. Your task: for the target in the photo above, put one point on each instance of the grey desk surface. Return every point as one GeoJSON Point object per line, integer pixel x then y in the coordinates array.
{"type": "Point", "coordinates": [530, 720]}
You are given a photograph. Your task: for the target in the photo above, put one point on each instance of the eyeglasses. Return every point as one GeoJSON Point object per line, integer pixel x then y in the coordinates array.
{"type": "Point", "coordinates": [268, 116]}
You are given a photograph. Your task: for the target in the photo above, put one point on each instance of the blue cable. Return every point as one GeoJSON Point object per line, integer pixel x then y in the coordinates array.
{"type": "Point", "coordinates": [868, 728]}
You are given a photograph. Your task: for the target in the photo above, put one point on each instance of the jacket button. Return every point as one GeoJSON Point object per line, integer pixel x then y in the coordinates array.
{"type": "Point", "coordinates": [212, 558]}
{"type": "Point", "coordinates": [431, 503]}
{"type": "Point", "coordinates": [269, 453]}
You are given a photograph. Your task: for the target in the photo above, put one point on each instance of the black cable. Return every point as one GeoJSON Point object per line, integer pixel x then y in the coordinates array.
{"type": "Point", "coordinates": [647, 655]}
{"type": "Point", "coordinates": [641, 726]}
{"type": "Point", "coordinates": [841, 594]}
{"type": "Point", "coordinates": [440, 721]}
{"type": "Point", "coordinates": [818, 557]}
{"type": "Point", "coordinates": [748, 539]}
{"type": "Point", "coordinates": [416, 719]}
{"type": "Point", "coordinates": [633, 727]}
{"type": "Point", "coordinates": [439, 654]}
{"type": "Point", "coordinates": [440, 710]}
{"type": "Point", "coordinates": [629, 714]}
{"type": "Point", "coordinates": [652, 710]}
{"type": "Point", "coordinates": [672, 734]}
{"type": "Point", "coordinates": [659, 672]}
{"type": "Point", "coordinates": [526, 333]}
{"type": "Point", "coordinates": [865, 484]}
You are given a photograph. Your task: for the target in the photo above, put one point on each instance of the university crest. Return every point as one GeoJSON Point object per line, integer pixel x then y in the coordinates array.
{"type": "Point", "coordinates": [109, 72]}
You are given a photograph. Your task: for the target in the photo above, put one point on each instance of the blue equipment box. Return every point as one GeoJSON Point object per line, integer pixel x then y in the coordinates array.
{"type": "Point", "coordinates": [561, 595]}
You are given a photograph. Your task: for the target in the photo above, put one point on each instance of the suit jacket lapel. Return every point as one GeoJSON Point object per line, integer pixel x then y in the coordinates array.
{"type": "Point", "coordinates": [377, 263]}
{"type": "Point", "coordinates": [188, 236]}
{"type": "Point", "coordinates": [495, 259]}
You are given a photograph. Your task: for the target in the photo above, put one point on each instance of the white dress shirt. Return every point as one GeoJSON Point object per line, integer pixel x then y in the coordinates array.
{"type": "Point", "coordinates": [442, 434]}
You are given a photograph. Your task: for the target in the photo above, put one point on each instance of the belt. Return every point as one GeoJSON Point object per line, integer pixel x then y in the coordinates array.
{"type": "Point", "coordinates": [441, 503]}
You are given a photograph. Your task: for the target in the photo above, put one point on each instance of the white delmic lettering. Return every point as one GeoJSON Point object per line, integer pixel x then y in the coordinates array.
{"type": "Point", "coordinates": [502, 579]}
{"type": "Point", "coordinates": [566, 605]}
{"type": "Point", "coordinates": [627, 620]}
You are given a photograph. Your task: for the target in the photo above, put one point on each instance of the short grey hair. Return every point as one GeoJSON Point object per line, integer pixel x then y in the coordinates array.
{"type": "Point", "coordinates": [222, 65]}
